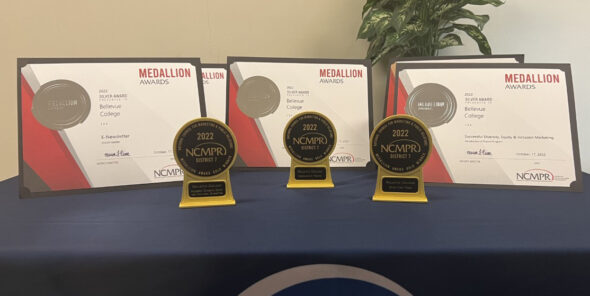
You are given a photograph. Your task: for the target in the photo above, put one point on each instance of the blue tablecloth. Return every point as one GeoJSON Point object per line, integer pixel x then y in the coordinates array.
{"type": "Point", "coordinates": [138, 242]}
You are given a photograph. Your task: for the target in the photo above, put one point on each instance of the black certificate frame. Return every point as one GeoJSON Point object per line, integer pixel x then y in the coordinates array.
{"type": "Point", "coordinates": [24, 192]}
{"type": "Point", "coordinates": [518, 57]}
{"type": "Point", "coordinates": [239, 164]}
{"type": "Point", "coordinates": [575, 186]}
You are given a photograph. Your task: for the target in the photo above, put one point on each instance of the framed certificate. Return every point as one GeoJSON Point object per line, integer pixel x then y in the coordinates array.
{"type": "Point", "coordinates": [215, 86]}
{"type": "Point", "coordinates": [264, 93]}
{"type": "Point", "coordinates": [390, 88]}
{"type": "Point", "coordinates": [506, 125]}
{"type": "Point", "coordinates": [103, 124]}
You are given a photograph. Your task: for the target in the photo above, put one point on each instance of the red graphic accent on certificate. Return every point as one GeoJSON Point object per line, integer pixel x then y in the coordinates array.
{"type": "Point", "coordinates": [44, 150]}
{"type": "Point", "coordinates": [390, 94]}
{"type": "Point", "coordinates": [251, 145]}
{"type": "Point", "coordinates": [402, 98]}
{"type": "Point", "coordinates": [434, 170]}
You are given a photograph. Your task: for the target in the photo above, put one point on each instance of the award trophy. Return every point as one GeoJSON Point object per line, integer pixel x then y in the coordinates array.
{"type": "Point", "coordinates": [400, 146]}
{"type": "Point", "coordinates": [310, 138]}
{"type": "Point", "coordinates": [205, 149]}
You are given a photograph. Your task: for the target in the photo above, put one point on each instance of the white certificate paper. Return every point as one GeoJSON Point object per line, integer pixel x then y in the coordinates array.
{"type": "Point", "coordinates": [392, 85]}
{"type": "Point", "coordinates": [126, 113]}
{"type": "Point", "coordinates": [215, 86]}
{"type": "Point", "coordinates": [265, 93]}
{"type": "Point", "coordinates": [496, 124]}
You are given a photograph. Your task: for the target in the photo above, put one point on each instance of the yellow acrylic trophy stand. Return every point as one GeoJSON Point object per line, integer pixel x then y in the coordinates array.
{"type": "Point", "coordinates": [400, 146]}
{"type": "Point", "coordinates": [205, 149]}
{"type": "Point", "coordinates": [309, 139]}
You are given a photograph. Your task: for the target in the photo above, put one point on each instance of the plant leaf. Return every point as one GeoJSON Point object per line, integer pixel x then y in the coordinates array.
{"type": "Point", "coordinates": [402, 16]}
{"type": "Point", "coordinates": [370, 4]}
{"type": "Point", "coordinates": [389, 50]}
{"type": "Point", "coordinates": [380, 54]}
{"type": "Point", "coordinates": [449, 40]}
{"type": "Point", "coordinates": [388, 43]}
{"type": "Point", "coordinates": [374, 23]}
{"type": "Point", "coordinates": [445, 30]}
{"type": "Point", "coordinates": [477, 35]}
{"type": "Point", "coordinates": [481, 20]}
{"type": "Point", "coordinates": [420, 27]}
{"type": "Point", "coordinates": [416, 29]}
{"type": "Point", "coordinates": [496, 3]}
{"type": "Point", "coordinates": [445, 8]}
{"type": "Point", "coordinates": [399, 41]}
{"type": "Point", "coordinates": [396, 41]}
{"type": "Point", "coordinates": [376, 46]}
{"type": "Point", "coordinates": [374, 4]}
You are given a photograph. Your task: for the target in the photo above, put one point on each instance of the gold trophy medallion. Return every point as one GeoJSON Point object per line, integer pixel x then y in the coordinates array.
{"type": "Point", "coordinates": [310, 138]}
{"type": "Point", "coordinates": [400, 146]}
{"type": "Point", "coordinates": [205, 149]}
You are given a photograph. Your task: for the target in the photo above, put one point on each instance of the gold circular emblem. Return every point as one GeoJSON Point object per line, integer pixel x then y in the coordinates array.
{"type": "Point", "coordinates": [205, 147]}
{"type": "Point", "coordinates": [309, 137]}
{"type": "Point", "coordinates": [401, 144]}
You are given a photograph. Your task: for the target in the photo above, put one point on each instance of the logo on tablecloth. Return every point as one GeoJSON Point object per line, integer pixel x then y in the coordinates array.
{"type": "Point", "coordinates": [325, 279]}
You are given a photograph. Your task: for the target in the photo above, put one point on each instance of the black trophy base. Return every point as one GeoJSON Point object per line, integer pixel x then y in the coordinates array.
{"type": "Point", "coordinates": [405, 185]}
{"type": "Point", "coordinates": [310, 173]}
{"type": "Point", "coordinates": [206, 193]}
{"type": "Point", "coordinates": [206, 189]}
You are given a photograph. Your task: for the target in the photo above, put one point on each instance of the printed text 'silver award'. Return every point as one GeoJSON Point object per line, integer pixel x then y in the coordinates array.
{"type": "Point", "coordinates": [205, 149]}
{"type": "Point", "coordinates": [309, 139]}
{"type": "Point", "coordinates": [400, 146]}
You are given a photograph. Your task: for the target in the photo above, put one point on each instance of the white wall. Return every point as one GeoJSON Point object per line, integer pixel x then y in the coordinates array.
{"type": "Point", "coordinates": [546, 31]}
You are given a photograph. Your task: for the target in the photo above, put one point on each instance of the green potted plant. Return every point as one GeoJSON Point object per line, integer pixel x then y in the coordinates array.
{"type": "Point", "coordinates": [404, 28]}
